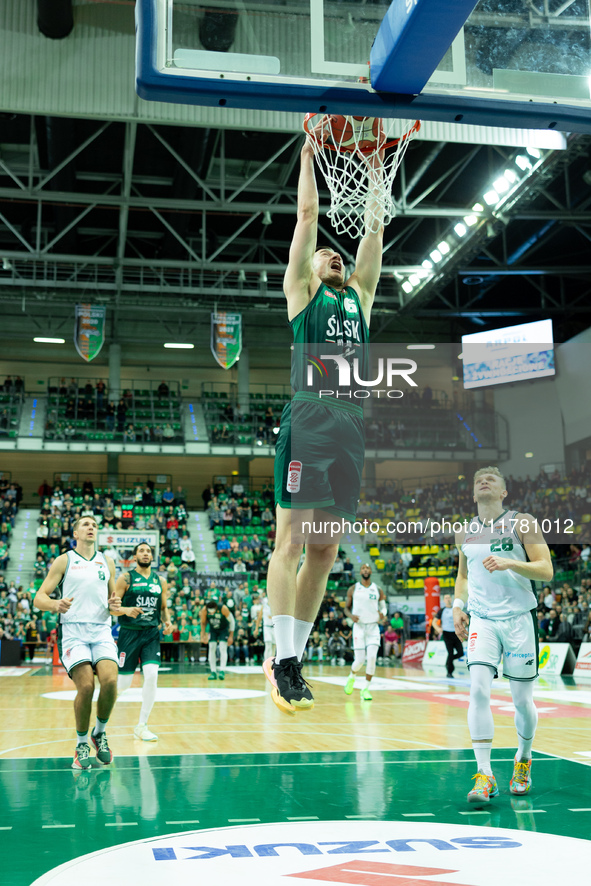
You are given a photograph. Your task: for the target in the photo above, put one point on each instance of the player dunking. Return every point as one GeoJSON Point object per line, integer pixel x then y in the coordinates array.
{"type": "Point", "coordinates": [366, 606]}
{"type": "Point", "coordinates": [318, 469]}
{"type": "Point", "coordinates": [85, 580]}
{"type": "Point", "coordinates": [501, 553]}
{"type": "Point", "coordinates": [143, 605]}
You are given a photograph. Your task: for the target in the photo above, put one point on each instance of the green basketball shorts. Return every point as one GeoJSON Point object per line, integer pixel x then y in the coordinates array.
{"type": "Point", "coordinates": [137, 646]}
{"type": "Point", "coordinates": [319, 455]}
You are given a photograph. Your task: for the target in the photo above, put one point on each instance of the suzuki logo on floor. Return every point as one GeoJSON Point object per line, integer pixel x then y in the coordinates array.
{"type": "Point", "coordinates": [352, 853]}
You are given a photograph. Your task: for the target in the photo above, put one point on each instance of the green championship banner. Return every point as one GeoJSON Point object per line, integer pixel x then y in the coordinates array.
{"type": "Point", "coordinates": [226, 338]}
{"type": "Point", "coordinates": [89, 330]}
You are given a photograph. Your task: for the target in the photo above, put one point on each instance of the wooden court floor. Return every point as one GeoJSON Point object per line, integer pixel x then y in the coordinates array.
{"type": "Point", "coordinates": [226, 757]}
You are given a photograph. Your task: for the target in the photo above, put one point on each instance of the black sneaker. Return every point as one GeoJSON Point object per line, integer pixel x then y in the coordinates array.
{"type": "Point", "coordinates": [291, 686]}
{"type": "Point", "coordinates": [104, 754]}
{"type": "Point", "coordinates": [82, 757]}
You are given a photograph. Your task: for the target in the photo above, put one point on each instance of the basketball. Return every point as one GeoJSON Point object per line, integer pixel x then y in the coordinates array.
{"type": "Point", "coordinates": [355, 133]}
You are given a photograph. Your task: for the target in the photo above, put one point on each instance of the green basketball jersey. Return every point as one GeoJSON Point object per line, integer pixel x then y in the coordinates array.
{"type": "Point", "coordinates": [333, 322]}
{"type": "Point", "coordinates": [216, 620]}
{"type": "Point", "coordinates": [145, 593]}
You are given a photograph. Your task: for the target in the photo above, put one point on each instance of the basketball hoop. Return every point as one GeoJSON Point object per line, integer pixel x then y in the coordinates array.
{"type": "Point", "coordinates": [359, 158]}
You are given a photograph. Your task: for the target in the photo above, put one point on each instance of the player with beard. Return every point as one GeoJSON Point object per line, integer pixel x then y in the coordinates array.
{"type": "Point", "coordinates": [366, 607]}
{"type": "Point", "coordinates": [143, 606]}
{"type": "Point", "coordinates": [502, 553]}
{"type": "Point", "coordinates": [321, 443]}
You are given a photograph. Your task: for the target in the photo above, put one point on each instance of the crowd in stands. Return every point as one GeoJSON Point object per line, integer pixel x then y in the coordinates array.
{"type": "Point", "coordinates": [83, 409]}
{"type": "Point", "coordinates": [229, 422]}
{"type": "Point", "coordinates": [12, 392]}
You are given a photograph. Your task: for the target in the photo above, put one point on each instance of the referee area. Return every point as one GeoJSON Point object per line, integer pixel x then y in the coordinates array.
{"type": "Point", "coordinates": [240, 241]}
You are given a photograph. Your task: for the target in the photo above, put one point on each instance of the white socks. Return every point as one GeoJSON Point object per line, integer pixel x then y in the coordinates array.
{"type": "Point", "coordinates": [482, 751]}
{"type": "Point", "coordinates": [284, 636]}
{"type": "Point", "coordinates": [301, 632]}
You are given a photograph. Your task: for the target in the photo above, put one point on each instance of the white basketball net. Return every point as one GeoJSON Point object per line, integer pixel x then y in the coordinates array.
{"type": "Point", "coordinates": [359, 178]}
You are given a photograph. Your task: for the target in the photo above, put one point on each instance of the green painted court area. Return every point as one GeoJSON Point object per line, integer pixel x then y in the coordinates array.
{"type": "Point", "coordinates": [51, 814]}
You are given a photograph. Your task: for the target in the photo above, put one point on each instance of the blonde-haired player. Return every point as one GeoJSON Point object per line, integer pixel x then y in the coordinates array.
{"type": "Point", "coordinates": [85, 581]}
{"type": "Point", "coordinates": [501, 553]}
{"type": "Point", "coordinates": [366, 607]}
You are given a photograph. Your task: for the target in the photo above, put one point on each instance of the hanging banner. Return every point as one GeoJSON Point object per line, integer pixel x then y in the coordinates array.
{"type": "Point", "coordinates": [89, 330]}
{"type": "Point", "coordinates": [226, 338]}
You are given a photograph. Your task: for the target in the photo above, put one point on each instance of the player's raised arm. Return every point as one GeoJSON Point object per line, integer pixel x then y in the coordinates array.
{"type": "Point", "coordinates": [114, 598]}
{"type": "Point", "coordinates": [298, 276]}
{"type": "Point", "coordinates": [368, 262]}
{"type": "Point", "coordinates": [42, 599]}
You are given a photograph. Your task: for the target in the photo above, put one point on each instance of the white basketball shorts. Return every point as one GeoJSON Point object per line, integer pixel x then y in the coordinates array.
{"type": "Point", "coordinates": [365, 635]}
{"type": "Point", "coordinates": [514, 641]}
{"type": "Point", "coordinates": [79, 642]}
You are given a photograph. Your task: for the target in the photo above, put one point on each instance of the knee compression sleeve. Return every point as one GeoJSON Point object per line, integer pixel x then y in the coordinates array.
{"type": "Point", "coordinates": [526, 714]}
{"type": "Point", "coordinates": [372, 655]}
{"type": "Point", "coordinates": [480, 718]}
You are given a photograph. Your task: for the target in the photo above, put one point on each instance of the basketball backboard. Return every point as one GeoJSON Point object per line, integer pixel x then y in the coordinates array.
{"type": "Point", "coordinates": [519, 63]}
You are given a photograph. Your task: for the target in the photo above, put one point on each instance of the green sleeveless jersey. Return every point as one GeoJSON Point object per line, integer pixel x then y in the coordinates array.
{"type": "Point", "coordinates": [333, 324]}
{"type": "Point", "coordinates": [145, 593]}
{"type": "Point", "coordinates": [216, 620]}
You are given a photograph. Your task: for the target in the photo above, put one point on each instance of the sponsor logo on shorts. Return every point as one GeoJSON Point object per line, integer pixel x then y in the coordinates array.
{"type": "Point", "coordinates": [530, 662]}
{"type": "Point", "coordinates": [122, 659]}
{"type": "Point", "coordinates": [472, 642]}
{"type": "Point", "coordinates": [294, 476]}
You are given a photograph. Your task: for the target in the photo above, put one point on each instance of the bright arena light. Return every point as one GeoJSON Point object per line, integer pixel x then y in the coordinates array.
{"type": "Point", "coordinates": [501, 185]}
{"type": "Point", "coordinates": [443, 247]}
{"type": "Point", "coordinates": [181, 346]}
{"type": "Point", "coordinates": [436, 255]}
{"type": "Point", "coordinates": [427, 264]}
{"type": "Point", "coordinates": [460, 229]}
{"type": "Point", "coordinates": [470, 220]}
{"type": "Point", "coordinates": [491, 197]}
{"type": "Point", "coordinates": [50, 341]}
{"type": "Point", "coordinates": [407, 286]}
{"type": "Point", "coordinates": [414, 279]}
{"type": "Point", "coordinates": [523, 162]}
{"type": "Point", "coordinates": [534, 152]}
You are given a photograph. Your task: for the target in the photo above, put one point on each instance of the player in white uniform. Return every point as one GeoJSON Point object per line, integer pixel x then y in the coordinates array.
{"type": "Point", "coordinates": [85, 581]}
{"type": "Point", "coordinates": [501, 553]}
{"type": "Point", "coordinates": [366, 607]}
{"type": "Point", "coordinates": [265, 616]}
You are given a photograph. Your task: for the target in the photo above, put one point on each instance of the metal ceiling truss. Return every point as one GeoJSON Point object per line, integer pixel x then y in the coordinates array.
{"type": "Point", "coordinates": [242, 268]}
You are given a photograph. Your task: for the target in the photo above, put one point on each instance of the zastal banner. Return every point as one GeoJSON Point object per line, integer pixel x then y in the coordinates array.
{"type": "Point", "coordinates": [226, 337]}
{"type": "Point", "coordinates": [583, 665]}
{"type": "Point", "coordinates": [89, 330]}
{"type": "Point", "coordinates": [414, 651]}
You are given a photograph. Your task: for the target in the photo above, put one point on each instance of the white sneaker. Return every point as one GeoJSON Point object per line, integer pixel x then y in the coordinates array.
{"type": "Point", "coordinates": [142, 732]}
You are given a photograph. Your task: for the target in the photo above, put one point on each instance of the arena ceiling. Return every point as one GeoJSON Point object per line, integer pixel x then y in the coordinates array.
{"type": "Point", "coordinates": [163, 223]}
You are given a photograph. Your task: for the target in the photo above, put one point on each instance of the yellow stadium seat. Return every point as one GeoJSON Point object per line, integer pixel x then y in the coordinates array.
{"type": "Point", "coordinates": [374, 552]}
{"type": "Point", "coordinates": [380, 564]}
{"type": "Point", "coordinates": [416, 549]}
{"type": "Point", "coordinates": [412, 572]}
{"type": "Point", "coordinates": [586, 518]}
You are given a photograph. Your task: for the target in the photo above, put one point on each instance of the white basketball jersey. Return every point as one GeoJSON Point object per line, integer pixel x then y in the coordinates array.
{"type": "Point", "coordinates": [267, 616]}
{"type": "Point", "coordinates": [365, 603]}
{"type": "Point", "coordinates": [501, 594]}
{"type": "Point", "coordinates": [87, 581]}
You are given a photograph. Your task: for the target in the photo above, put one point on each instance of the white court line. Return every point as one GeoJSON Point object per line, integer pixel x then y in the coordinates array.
{"type": "Point", "coordinates": [193, 821]}
{"type": "Point", "coordinates": [242, 820]}
{"type": "Point", "coordinates": [417, 814]}
{"type": "Point", "coordinates": [482, 812]}
{"type": "Point", "coordinates": [361, 817]}
{"type": "Point", "coordinates": [528, 811]}
{"type": "Point", "coordinates": [44, 826]}
{"type": "Point", "coordinates": [579, 810]}
{"type": "Point", "coordinates": [6, 829]}
{"type": "Point", "coordinates": [302, 818]}
{"type": "Point", "coordinates": [120, 824]}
